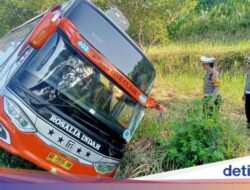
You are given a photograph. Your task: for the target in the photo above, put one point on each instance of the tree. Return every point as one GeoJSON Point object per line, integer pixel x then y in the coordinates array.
{"type": "Point", "coordinates": [15, 12]}
{"type": "Point", "coordinates": [150, 18]}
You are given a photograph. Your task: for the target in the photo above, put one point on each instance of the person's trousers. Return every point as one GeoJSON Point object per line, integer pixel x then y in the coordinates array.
{"type": "Point", "coordinates": [247, 108]}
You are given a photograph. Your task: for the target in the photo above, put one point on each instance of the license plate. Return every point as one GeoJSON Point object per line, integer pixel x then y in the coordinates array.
{"type": "Point", "coordinates": [58, 160]}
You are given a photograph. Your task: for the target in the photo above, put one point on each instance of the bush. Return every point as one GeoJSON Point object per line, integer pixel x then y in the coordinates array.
{"type": "Point", "coordinates": [8, 160]}
{"type": "Point", "coordinates": [196, 140]}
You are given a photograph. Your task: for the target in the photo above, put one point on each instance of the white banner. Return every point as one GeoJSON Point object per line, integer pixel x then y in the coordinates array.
{"type": "Point", "coordinates": [231, 169]}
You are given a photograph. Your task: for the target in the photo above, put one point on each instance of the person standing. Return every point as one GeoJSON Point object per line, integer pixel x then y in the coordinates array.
{"type": "Point", "coordinates": [246, 96]}
{"type": "Point", "coordinates": [212, 98]}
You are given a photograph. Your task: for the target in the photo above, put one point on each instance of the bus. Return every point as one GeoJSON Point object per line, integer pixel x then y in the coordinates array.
{"type": "Point", "coordinates": [73, 90]}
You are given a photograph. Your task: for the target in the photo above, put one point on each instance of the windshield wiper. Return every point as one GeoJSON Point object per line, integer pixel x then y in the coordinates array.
{"type": "Point", "coordinates": [42, 104]}
{"type": "Point", "coordinates": [39, 105]}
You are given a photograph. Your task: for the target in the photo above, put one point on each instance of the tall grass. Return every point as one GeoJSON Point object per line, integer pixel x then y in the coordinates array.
{"type": "Point", "coordinates": [158, 145]}
{"type": "Point", "coordinates": [180, 72]}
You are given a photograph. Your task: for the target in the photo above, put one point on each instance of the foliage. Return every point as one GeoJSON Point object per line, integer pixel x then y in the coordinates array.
{"type": "Point", "coordinates": [199, 140]}
{"type": "Point", "coordinates": [225, 17]}
{"type": "Point", "coordinates": [180, 75]}
{"type": "Point", "coordinates": [178, 58]}
{"type": "Point", "coordinates": [15, 12]}
{"type": "Point", "coordinates": [180, 139]}
{"type": "Point", "coordinates": [154, 21]}
{"type": "Point", "coordinates": [10, 161]}
{"type": "Point", "coordinates": [149, 18]}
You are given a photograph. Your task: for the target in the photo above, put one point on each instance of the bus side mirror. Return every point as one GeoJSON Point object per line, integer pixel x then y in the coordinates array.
{"type": "Point", "coordinates": [45, 28]}
{"type": "Point", "coordinates": [159, 107]}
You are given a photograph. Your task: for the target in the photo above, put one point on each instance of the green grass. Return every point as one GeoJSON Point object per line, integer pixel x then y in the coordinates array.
{"type": "Point", "coordinates": [179, 81]}
{"type": "Point", "coordinates": [205, 46]}
{"type": "Point", "coordinates": [186, 86]}
{"type": "Point", "coordinates": [180, 72]}
{"type": "Point", "coordinates": [182, 138]}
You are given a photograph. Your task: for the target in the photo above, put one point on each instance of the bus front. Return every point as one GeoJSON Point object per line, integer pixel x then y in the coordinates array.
{"type": "Point", "coordinates": [74, 102]}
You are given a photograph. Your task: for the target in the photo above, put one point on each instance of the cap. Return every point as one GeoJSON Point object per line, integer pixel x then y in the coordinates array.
{"type": "Point", "coordinates": [207, 60]}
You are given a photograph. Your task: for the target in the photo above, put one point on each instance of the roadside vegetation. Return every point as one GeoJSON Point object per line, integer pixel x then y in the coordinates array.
{"type": "Point", "coordinates": [180, 137]}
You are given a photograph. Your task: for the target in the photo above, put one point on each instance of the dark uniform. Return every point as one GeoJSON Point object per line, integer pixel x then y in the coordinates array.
{"type": "Point", "coordinates": [247, 96]}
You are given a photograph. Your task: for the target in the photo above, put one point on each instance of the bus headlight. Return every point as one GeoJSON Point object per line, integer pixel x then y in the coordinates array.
{"type": "Point", "coordinates": [104, 168]}
{"type": "Point", "coordinates": [17, 116]}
